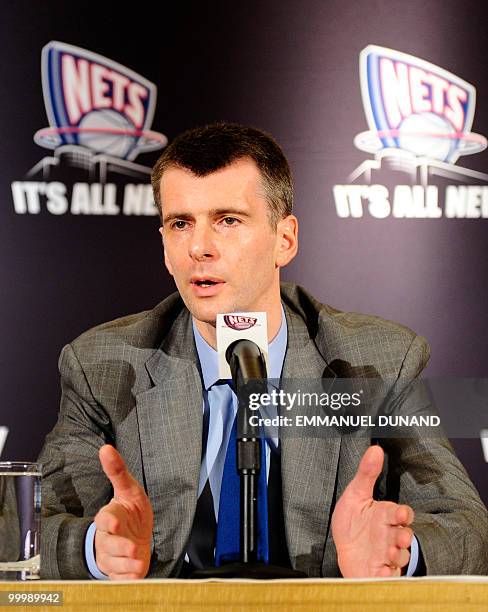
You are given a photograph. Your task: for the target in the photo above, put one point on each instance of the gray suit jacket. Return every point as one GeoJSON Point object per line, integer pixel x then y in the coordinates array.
{"type": "Point", "coordinates": [135, 383]}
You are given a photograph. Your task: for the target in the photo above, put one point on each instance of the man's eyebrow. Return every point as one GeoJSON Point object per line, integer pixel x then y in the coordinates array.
{"type": "Point", "coordinates": [176, 215]}
{"type": "Point", "coordinates": [214, 212]}
{"type": "Point", "coordinates": [228, 210]}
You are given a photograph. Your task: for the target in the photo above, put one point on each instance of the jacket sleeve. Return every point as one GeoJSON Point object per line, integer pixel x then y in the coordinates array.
{"type": "Point", "coordinates": [451, 521]}
{"type": "Point", "coordinates": [74, 486]}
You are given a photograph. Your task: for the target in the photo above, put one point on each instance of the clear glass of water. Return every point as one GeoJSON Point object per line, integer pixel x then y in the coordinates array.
{"type": "Point", "coordinates": [20, 520]}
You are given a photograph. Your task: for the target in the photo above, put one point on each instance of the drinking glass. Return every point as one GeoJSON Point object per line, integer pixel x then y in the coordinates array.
{"type": "Point", "coordinates": [20, 520]}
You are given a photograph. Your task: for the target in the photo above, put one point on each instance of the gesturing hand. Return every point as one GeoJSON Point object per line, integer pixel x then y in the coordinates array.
{"type": "Point", "coordinates": [124, 525]}
{"type": "Point", "coordinates": [371, 537]}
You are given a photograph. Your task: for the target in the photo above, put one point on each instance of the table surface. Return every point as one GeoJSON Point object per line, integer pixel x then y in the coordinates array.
{"type": "Point", "coordinates": [445, 594]}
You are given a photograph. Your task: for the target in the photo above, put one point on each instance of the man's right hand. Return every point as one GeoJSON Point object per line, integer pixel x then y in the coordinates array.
{"type": "Point", "coordinates": [124, 526]}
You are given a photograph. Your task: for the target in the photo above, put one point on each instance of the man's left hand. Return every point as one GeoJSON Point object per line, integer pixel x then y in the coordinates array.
{"type": "Point", "coordinates": [372, 538]}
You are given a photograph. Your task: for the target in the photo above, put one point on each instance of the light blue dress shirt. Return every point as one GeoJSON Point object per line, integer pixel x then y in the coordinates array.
{"type": "Point", "coordinates": [212, 466]}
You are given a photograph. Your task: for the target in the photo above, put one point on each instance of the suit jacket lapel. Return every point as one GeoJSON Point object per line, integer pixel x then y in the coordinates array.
{"type": "Point", "coordinates": [308, 465]}
{"type": "Point", "coordinates": [170, 427]}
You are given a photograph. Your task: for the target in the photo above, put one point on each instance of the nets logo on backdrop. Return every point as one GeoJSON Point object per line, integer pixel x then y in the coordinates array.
{"type": "Point", "coordinates": [100, 114]}
{"type": "Point", "coordinates": [419, 117]}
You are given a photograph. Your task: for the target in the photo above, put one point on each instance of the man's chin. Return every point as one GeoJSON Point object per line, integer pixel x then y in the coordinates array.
{"type": "Point", "coordinates": [206, 309]}
{"type": "Point", "coordinates": [207, 313]}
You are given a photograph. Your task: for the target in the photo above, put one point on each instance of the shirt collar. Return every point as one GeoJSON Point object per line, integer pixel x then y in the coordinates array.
{"type": "Point", "coordinates": [209, 361]}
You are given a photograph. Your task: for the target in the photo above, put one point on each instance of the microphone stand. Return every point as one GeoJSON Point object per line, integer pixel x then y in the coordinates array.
{"type": "Point", "coordinates": [249, 374]}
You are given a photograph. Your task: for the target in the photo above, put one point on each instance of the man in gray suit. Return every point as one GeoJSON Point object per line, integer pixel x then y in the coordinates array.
{"type": "Point", "coordinates": [136, 384]}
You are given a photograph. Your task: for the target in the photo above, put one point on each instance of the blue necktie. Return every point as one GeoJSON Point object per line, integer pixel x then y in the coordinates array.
{"type": "Point", "coordinates": [228, 525]}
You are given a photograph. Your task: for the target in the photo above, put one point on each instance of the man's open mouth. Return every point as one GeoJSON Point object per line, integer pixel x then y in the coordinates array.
{"type": "Point", "coordinates": [206, 282]}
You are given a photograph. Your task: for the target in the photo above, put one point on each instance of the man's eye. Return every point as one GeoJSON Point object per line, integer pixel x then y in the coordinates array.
{"type": "Point", "coordinates": [230, 221]}
{"type": "Point", "coordinates": [179, 224]}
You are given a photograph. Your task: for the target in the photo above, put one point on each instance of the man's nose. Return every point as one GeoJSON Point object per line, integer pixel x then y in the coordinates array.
{"type": "Point", "coordinates": [202, 245]}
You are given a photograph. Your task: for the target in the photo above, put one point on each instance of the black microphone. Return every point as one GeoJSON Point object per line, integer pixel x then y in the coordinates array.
{"type": "Point", "coordinates": [249, 376]}
{"type": "Point", "coordinates": [246, 361]}
{"type": "Point", "coordinates": [248, 369]}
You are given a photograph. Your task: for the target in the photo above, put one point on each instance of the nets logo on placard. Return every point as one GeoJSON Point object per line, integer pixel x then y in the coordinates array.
{"type": "Point", "coordinates": [239, 322]}
{"type": "Point", "coordinates": [419, 117]}
{"type": "Point", "coordinates": [100, 114]}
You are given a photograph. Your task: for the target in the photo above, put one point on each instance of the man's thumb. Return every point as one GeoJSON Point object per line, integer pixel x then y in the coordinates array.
{"type": "Point", "coordinates": [123, 483]}
{"type": "Point", "coordinates": [369, 469]}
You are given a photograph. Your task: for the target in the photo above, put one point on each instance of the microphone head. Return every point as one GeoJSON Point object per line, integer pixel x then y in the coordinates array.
{"type": "Point", "coordinates": [243, 347]}
{"type": "Point", "coordinates": [248, 356]}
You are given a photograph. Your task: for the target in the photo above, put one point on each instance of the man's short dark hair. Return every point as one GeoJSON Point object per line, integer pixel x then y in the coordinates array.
{"type": "Point", "coordinates": [204, 150]}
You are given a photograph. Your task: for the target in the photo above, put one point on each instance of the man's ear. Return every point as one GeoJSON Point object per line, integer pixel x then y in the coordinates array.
{"type": "Point", "coordinates": [166, 260]}
{"type": "Point", "coordinates": [287, 240]}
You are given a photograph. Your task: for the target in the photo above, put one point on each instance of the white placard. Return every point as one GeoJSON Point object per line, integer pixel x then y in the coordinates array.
{"type": "Point", "coordinates": [234, 326]}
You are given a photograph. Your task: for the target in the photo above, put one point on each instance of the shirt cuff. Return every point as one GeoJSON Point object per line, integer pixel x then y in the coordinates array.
{"type": "Point", "coordinates": [414, 557]}
{"type": "Point", "coordinates": [90, 554]}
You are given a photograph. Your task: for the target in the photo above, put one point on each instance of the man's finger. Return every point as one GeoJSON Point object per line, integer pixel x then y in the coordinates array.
{"type": "Point", "coordinates": [387, 571]}
{"type": "Point", "coordinates": [120, 565]}
{"type": "Point", "coordinates": [399, 515]}
{"type": "Point", "coordinates": [123, 483]}
{"type": "Point", "coordinates": [124, 576]}
{"type": "Point", "coordinates": [403, 537]}
{"type": "Point", "coordinates": [369, 469]}
{"type": "Point", "coordinates": [112, 518]}
{"type": "Point", "coordinates": [399, 557]}
{"type": "Point", "coordinates": [404, 515]}
{"type": "Point", "coordinates": [116, 546]}
{"type": "Point", "coordinates": [107, 521]}
{"type": "Point", "coordinates": [400, 537]}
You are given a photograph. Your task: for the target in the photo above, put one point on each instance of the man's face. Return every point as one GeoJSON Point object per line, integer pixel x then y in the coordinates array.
{"type": "Point", "coordinates": [218, 242]}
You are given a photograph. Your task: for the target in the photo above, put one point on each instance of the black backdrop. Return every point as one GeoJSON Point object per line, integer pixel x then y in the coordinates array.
{"type": "Point", "coordinates": [291, 68]}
